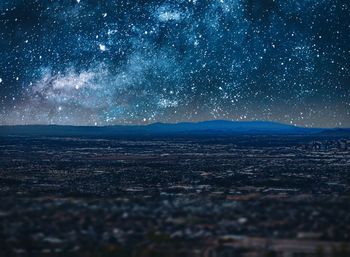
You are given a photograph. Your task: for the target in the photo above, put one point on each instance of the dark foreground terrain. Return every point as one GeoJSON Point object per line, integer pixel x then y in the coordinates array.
{"type": "Point", "coordinates": [180, 196]}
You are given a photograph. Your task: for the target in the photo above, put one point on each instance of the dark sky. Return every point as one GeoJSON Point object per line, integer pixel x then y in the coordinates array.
{"type": "Point", "coordinates": [117, 62]}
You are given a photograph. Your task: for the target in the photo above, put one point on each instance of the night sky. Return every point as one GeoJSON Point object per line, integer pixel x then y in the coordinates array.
{"type": "Point", "coordinates": [85, 62]}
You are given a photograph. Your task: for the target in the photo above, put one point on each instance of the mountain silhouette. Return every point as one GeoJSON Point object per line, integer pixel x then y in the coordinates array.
{"type": "Point", "coordinates": [213, 127]}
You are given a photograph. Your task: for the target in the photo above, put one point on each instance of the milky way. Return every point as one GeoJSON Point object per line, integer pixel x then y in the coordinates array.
{"type": "Point", "coordinates": [87, 62]}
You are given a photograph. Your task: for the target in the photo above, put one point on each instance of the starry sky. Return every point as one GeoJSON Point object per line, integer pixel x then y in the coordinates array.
{"type": "Point", "coordinates": [85, 62]}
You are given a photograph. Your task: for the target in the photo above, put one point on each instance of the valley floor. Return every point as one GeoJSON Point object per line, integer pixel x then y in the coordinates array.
{"type": "Point", "coordinates": [224, 196]}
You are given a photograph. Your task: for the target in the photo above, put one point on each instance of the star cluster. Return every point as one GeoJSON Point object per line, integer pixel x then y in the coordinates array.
{"type": "Point", "coordinates": [85, 62]}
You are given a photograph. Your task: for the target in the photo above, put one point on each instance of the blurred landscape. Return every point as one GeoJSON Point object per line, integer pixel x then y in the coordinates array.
{"type": "Point", "coordinates": [191, 189]}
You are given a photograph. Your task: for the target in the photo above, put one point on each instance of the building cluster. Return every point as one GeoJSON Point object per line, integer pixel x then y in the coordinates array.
{"type": "Point", "coordinates": [318, 145]}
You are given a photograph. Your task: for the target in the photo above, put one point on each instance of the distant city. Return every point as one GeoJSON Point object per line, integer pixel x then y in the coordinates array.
{"type": "Point", "coordinates": [181, 195]}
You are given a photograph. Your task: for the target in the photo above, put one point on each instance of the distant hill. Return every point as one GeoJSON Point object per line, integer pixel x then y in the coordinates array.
{"type": "Point", "coordinates": [214, 127]}
{"type": "Point", "coordinates": [338, 132]}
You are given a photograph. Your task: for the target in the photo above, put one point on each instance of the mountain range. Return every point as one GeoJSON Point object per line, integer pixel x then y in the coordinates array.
{"type": "Point", "coordinates": [213, 127]}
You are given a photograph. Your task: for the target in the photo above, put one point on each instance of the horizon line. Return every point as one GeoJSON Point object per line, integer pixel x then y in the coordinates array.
{"type": "Point", "coordinates": [172, 123]}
